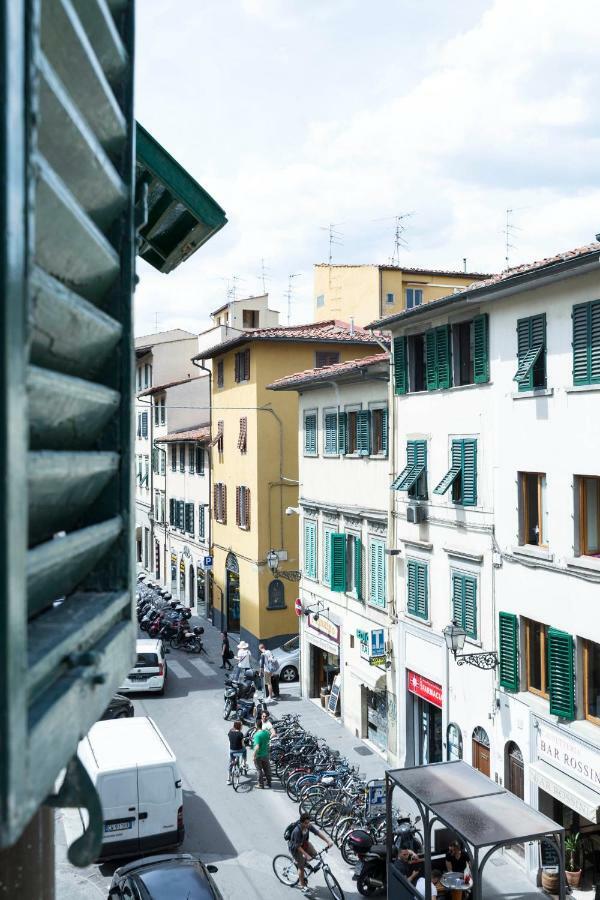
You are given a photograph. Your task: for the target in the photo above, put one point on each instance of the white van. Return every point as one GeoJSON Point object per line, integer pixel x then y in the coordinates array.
{"type": "Point", "coordinates": [136, 776]}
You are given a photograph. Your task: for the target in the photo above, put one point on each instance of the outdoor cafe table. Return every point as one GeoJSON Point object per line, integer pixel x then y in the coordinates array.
{"type": "Point", "coordinates": [455, 883]}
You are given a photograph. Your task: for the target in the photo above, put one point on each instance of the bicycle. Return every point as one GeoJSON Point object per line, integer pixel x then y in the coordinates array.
{"type": "Point", "coordinates": [287, 872]}
{"type": "Point", "coordinates": [237, 768]}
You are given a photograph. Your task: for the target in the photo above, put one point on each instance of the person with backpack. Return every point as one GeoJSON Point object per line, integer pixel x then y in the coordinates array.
{"type": "Point", "coordinates": [297, 834]}
{"type": "Point", "coordinates": [268, 667]}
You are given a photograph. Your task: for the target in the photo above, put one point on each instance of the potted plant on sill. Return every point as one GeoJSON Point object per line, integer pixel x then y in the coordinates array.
{"type": "Point", "coordinates": [573, 870]}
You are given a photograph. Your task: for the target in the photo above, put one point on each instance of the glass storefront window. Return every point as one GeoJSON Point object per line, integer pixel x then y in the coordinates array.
{"type": "Point", "coordinates": [454, 742]}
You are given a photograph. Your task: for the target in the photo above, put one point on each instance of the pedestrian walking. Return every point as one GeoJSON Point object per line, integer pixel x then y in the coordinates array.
{"type": "Point", "coordinates": [243, 659]}
{"type": "Point", "coordinates": [226, 652]}
{"type": "Point", "coordinates": [262, 762]}
{"type": "Point", "coordinates": [266, 664]}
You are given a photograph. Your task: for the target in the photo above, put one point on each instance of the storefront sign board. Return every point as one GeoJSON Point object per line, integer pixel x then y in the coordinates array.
{"type": "Point", "coordinates": [377, 660]}
{"type": "Point", "coordinates": [376, 795]}
{"type": "Point", "coordinates": [377, 642]}
{"type": "Point", "coordinates": [424, 688]}
{"type": "Point", "coordinates": [565, 753]}
{"type": "Point", "coordinates": [335, 694]}
{"type": "Point", "coordinates": [363, 641]}
{"type": "Point", "coordinates": [324, 626]}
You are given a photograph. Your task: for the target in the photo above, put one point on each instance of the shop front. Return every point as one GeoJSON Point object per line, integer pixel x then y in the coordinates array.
{"type": "Point", "coordinates": [201, 590]}
{"type": "Point", "coordinates": [323, 645]}
{"type": "Point", "coordinates": [174, 574]}
{"type": "Point", "coordinates": [424, 699]}
{"type": "Point", "coordinates": [366, 699]}
{"type": "Point", "coordinates": [232, 592]}
{"type": "Point", "coordinates": [566, 775]}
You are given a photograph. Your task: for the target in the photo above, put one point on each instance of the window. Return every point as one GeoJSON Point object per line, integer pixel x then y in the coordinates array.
{"type": "Point", "coordinates": [220, 374]}
{"type": "Point", "coordinates": [508, 633]}
{"type": "Point", "coordinates": [470, 348]}
{"type": "Point", "coordinates": [531, 353]}
{"type": "Point", "coordinates": [242, 366]}
{"type": "Point", "coordinates": [438, 358]}
{"type": "Point", "coordinates": [379, 431]}
{"type": "Point", "coordinates": [413, 477]}
{"type": "Point", "coordinates": [327, 532]}
{"type": "Point", "coordinates": [144, 424]}
{"type": "Point", "coordinates": [354, 566]}
{"type": "Point", "coordinates": [310, 548]}
{"type": "Point", "coordinates": [160, 411]}
{"type": "Point", "coordinates": [588, 497]}
{"type": "Point", "coordinates": [310, 434]}
{"type": "Point", "coordinates": [249, 318]}
{"type": "Point", "coordinates": [464, 602]}
{"type": "Point", "coordinates": [363, 432]}
{"type": "Point", "coordinates": [591, 681]}
{"type": "Point", "coordinates": [417, 588]}
{"type": "Point", "coordinates": [242, 507]}
{"type": "Point", "coordinates": [462, 475]}
{"type": "Point", "coordinates": [454, 742]}
{"type": "Point", "coordinates": [139, 378]}
{"type": "Point", "coordinates": [163, 411]}
{"type": "Point", "coordinates": [320, 300]}
{"type": "Point", "coordinates": [417, 380]}
{"type": "Point", "coordinates": [220, 503]}
{"type": "Point", "coordinates": [200, 460]}
{"type": "Point", "coordinates": [330, 427]}
{"type": "Point", "coordinates": [182, 457]}
{"type": "Point", "coordinates": [586, 343]}
{"type": "Point", "coordinates": [189, 518]}
{"type": "Point", "coordinates": [147, 472]}
{"type": "Point", "coordinates": [389, 298]}
{"type": "Point", "coordinates": [337, 562]}
{"type": "Point", "coordinates": [550, 667]}
{"type": "Point", "coordinates": [162, 462]}
{"type": "Point", "coordinates": [218, 440]}
{"type": "Point", "coordinates": [276, 594]}
{"type": "Point", "coordinates": [172, 511]}
{"type": "Point", "coordinates": [156, 412]}
{"type": "Point", "coordinates": [400, 367]}
{"type": "Point", "coordinates": [536, 657]}
{"type": "Point", "coordinates": [326, 358]}
{"type": "Point", "coordinates": [191, 459]}
{"type": "Point", "coordinates": [173, 457]}
{"type": "Point", "coordinates": [147, 375]}
{"type": "Point", "coordinates": [532, 491]}
{"type": "Point", "coordinates": [463, 350]}
{"type": "Point", "coordinates": [377, 586]}
{"type": "Point", "coordinates": [201, 521]}
{"type": "Point", "coordinates": [243, 435]}
{"type": "Point", "coordinates": [414, 297]}
{"type": "Point", "coordinates": [351, 432]}
{"type": "Point", "coordinates": [180, 515]}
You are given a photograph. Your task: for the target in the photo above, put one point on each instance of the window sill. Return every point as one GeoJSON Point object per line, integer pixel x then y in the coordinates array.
{"type": "Point", "coordinates": [418, 545]}
{"type": "Point", "coordinates": [456, 553]}
{"type": "Point", "coordinates": [311, 455]}
{"type": "Point", "coordinates": [413, 618]}
{"type": "Point", "coordinates": [275, 608]}
{"type": "Point", "coordinates": [590, 563]}
{"type": "Point", "coordinates": [582, 388]}
{"type": "Point", "coordinates": [530, 551]}
{"type": "Point", "coordinates": [536, 392]}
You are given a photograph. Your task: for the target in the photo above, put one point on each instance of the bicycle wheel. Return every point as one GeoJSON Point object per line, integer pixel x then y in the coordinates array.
{"type": "Point", "coordinates": [235, 776]}
{"type": "Point", "coordinates": [332, 883]}
{"type": "Point", "coordinates": [285, 869]}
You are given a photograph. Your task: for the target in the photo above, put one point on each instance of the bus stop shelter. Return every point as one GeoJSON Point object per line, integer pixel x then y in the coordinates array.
{"type": "Point", "coordinates": [480, 813]}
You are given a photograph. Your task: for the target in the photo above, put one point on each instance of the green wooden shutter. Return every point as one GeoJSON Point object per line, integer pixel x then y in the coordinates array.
{"type": "Point", "coordinates": [192, 459]}
{"type": "Point", "coordinates": [400, 366]}
{"type": "Point", "coordinates": [200, 460]}
{"type": "Point", "coordinates": [595, 342]}
{"type": "Point", "coordinates": [310, 549]}
{"type": "Point", "coordinates": [172, 513]}
{"type": "Point", "coordinates": [443, 356]}
{"type": "Point", "coordinates": [384, 431]}
{"type": "Point", "coordinates": [417, 589]}
{"type": "Point", "coordinates": [481, 359]}
{"type": "Point", "coordinates": [174, 457]}
{"type": "Point", "coordinates": [455, 470]}
{"type": "Point", "coordinates": [327, 532]}
{"type": "Point", "coordinates": [358, 570]}
{"type": "Point", "coordinates": [310, 433]}
{"type": "Point", "coordinates": [531, 346]}
{"type": "Point", "coordinates": [431, 361]}
{"type": "Point", "coordinates": [377, 579]}
{"type": "Point", "coordinates": [201, 524]}
{"type": "Point", "coordinates": [561, 674]}
{"type": "Point", "coordinates": [331, 435]}
{"type": "Point", "coordinates": [338, 562]}
{"type": "Point", "coordinates": [581, 316]}
{"type": "Point", "coordinates": [464, 602]}
{"type": "Point", "coordinates": [469, 473]}
{"type": "Point", "coordinates": [189, 518]}
{"type": "Point", "coordinates": [342, 433]}
{"type": "Point", "coordinates": [508, 629]}
{"type": "Point", "coordinates": [411, 587]}
{"type": "Point", "coordinates": [422, 590]}
{"type": "Point", "coordinates": [363, 432]}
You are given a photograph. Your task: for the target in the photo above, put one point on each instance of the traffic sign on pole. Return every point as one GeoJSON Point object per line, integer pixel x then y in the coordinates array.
{"type": "Point", "coordinates": [208, 562]}
{"type": "Point", "coordinates": [298, 606]}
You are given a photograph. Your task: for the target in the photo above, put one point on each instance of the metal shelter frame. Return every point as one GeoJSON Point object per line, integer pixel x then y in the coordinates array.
{"type": "Point", "coordinates": [482, 815]}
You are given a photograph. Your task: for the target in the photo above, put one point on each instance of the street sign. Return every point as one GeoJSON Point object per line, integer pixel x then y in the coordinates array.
{"type": "Point", "coordinates": [298, 606]}
{"type": "Point", "coordinates": [208, 562]}
{"type": "Point", "coordinates": [376, 795]}
{"type": "Point", "coordinates": [377, 642]}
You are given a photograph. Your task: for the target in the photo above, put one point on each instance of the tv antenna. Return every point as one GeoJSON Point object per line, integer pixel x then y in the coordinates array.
{"type": "Point", "coordinates": [264, 275]}
{"type": "Point", "coordinates": [509, 234]}
{"type": "Point", "coordinates": [399, 239]}
{"type": "Point", "coordinates": [288, 294]}
{"type": "Point", "coordinates": [156, 322]}
{"type": "Point", "coordinates": [334, 237]}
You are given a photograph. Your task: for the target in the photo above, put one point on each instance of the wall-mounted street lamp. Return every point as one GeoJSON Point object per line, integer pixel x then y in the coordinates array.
{"type": "Point", "coordinates": [273, 560]}
{"type": "Point", "coordinates": [455, 637]}
{"type": "Point", "coordinates": [316, 610]}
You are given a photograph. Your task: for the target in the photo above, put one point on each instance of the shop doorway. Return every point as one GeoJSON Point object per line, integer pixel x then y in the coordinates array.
{"type": "Point", "coordinates": [182, 581]}
{"type": "Point", "coordinates": [201, 591]}
{"type": "Point", "coordinates": [377, 724]}
{"type": "Point", "coordinates": [481, 750]}
{"type": "Point", "coordinates": [428, 731]}
{"type": "Point", "coordinates": [157, 559]}
{"type": "Point", "coordinates": [514, 778]}
{"type": "Point", "coordinates": [232, 589]}
{"type": "Point", "coordinates": [324, 667]}
{"type": "Point", "coordinates": [173, 573]}
{"type": "Point", "coordinates": [192, 586]}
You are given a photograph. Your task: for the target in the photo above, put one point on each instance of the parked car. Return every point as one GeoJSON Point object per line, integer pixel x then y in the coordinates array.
{"type": "Point", "coordinates": [150, 670]}
{"type": "Point", "coordinates": [137, 779]}
{"type": "Point", "coordinates": [288, 657]}
{"type": "Point", "coordinates": [120, 707]}
{"type": "Point", "coordinates": [169, 877]}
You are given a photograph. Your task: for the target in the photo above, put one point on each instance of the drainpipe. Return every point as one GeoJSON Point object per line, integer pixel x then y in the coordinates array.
{"type": "Point", "coordinates": [209, 541]}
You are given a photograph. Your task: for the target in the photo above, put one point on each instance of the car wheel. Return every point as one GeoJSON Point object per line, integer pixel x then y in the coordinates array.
{"type": "Point", "coordinates": [288, 674]}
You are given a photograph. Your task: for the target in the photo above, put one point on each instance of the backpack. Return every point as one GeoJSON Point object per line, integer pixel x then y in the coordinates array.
{"type": "Point", "coordinates": [272, 665]}
{"type": "Point", "coordinates": [287, 834]}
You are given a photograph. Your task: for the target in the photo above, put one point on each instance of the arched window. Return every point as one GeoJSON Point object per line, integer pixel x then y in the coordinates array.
{"type": "Point", "coordinates": [276, 594]}
{"type": "Point", "coordinates": [231, 564]}
{"type": "Point", "coordinates": [481, 736]}
{"type": "Point", "coordinates": [481, 750]}
{"type": "Point", "coordinates": [454, 744]}
{"type": "Point", "coordinates": [514, 770]}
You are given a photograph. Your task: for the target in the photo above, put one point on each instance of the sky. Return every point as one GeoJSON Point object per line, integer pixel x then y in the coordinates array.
{"type": "Point", "coordinates": [298, 114]}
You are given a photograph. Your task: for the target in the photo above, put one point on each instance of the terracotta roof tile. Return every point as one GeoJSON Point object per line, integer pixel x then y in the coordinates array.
{"type": "Point", "coordinates": [159, 388]}
{"type": "Point", "coordinates": [200, 433]}
{"type": "Point", "coordinates": [328, 373]}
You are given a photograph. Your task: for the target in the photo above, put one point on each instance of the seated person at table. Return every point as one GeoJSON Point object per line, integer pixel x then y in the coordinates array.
{"type": "Point", "coordinates": [435, 881]}
{"type": "Point", "coordinates": [456, 858]}
{"type": "Point", "coordinates": [406, 864]}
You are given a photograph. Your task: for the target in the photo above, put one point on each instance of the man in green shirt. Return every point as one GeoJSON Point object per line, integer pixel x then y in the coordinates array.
{"type": "Point", "coordinates": [260, 743]}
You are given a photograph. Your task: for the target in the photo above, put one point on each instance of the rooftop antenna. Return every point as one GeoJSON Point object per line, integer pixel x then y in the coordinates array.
{"type": "Point", "coordinates": [464, 264]}
{"type": "Point", "coordinates": [399, 239]}
{"type": "Point", "coordinates": [509, 233]}
{"type": "Point", "coordinates": [334, 237]}
{"type": "Point", "coordinates": [156, 322]}
{"type": "Point", "coordinates": [288, 294]}
{"type": "Point", "coordinates": [264, 276]}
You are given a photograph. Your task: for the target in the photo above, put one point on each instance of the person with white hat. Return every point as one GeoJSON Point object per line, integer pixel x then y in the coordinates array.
{"type": "Point", "coordinates": [243, 658]}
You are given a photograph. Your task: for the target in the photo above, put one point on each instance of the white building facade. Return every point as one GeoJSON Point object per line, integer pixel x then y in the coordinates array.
{"type": "Point", "coordinates": [346, 633]}
{"type": "Point", "coordinates": [497, 519]}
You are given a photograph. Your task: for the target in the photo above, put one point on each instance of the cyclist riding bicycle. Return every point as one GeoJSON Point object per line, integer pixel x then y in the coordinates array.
{"type": "Point", "coordinates": [237, 748]}
{"type": "Point", "coordinates": [301, 848]}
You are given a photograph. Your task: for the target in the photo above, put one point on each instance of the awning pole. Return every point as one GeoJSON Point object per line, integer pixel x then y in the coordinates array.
{"type": "Point", "coordinates": [476, 893]}
{"type": "Point", "coordinates": [561, 866]}
{"type": "Point", "coordinates": [426, 848]}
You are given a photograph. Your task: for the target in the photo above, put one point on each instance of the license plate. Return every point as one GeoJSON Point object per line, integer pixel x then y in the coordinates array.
{"type": "Point", "coordinates": [110, 827]}
{"type": "Point", "coordinates": [138, 677]}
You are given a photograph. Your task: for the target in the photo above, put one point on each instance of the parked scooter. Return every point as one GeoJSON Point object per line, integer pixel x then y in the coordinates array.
{"type": "Point", "coordinates": [371, 876]}
{"type": "Point", "coordinates": [239, 696]}
{"type": "Point", "coordinates": [187, 640]}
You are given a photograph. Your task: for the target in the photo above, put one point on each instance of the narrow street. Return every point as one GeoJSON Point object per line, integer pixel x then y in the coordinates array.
{"type": "Point", "coordinates": [240, 833]}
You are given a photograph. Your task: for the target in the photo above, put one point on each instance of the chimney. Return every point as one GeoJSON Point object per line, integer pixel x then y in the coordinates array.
{"type": "Point", "coordinates": [352, 325]}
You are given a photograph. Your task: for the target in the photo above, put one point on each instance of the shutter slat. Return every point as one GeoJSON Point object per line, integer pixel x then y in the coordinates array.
{"type": "Point", "coordinates": [448, 479]}
{"type": "Point", "coordinates": [469, 473]}
{"type": "Point", "coordinates": [561, 674]}
{"type": "Point", "coordinates": [508, 646]}
{"type": "Point", "coordinates": [57, 567]}
{"type": "Point", "coordinates": [431, 361]}
{"type": "Point", "coordinates": [400, 366]}
{"type": "Point", "coordinates": [100, 28]}
{"type": "Point", "coordinates": [363, 432]}
{"type": "Point", "coordinates": [526, 364]}
{"type": "Point", "coordinates": [481, 356]}
{"type": "Point", "coordinates": [61, 486]}
{"type": "Point", "coordinates": [581, 343]}
{"type": "Point", "coordinates": [338, 562]}
{"type": "Point", "coordinates": [443, 357]}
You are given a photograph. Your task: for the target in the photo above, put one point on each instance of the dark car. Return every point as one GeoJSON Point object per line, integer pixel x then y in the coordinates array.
{"type": "Point", "coordinates": [120, 707]}
{"type": "Point", "coordinates": [171, 876]}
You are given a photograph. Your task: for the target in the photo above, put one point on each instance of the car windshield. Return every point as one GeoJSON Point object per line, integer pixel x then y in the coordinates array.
{"type": "Point", "coordinates": [147, 659]}
{"type": "Point", "coordinates": [174, 881]}
{"type": "Point", "coordinates": [291, 645]}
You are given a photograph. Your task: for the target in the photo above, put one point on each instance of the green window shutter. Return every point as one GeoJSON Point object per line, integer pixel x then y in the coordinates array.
{"type": "Point", "coordinates": [468, 494]}
{"type": "Point", "coordinates": [181, 514]}
{"type": "Point", "coordinates": [377, 580]}
{"type": "Point", "coordinates": [400, 366]}
{"type": "Point", "coordinates": [342, 433]}
{"type": "Point", "coordinates": [464, 602]}
{"type": "Point", "coordinates": [358, 571]}
{"type": "Point", "coordinates": [189, 518]}
{"type": "Point", "coordinates": [595, 342]}
{"type": "Point", "coordinates": [508, 629]}
{"type": "Point", "coordinates": [586, 343]}
{"type": "Point", "coordinates": [310, 433]}
{"type": "Point", "coordinates": [422, 590]}
{"type": "Point", "coordinates": [154, 456]}
{"type": "Point", "coordinates": [481, 357]}
{"type": "Point", "coordinates": [416, 463]}
{"type": "Point", "coordinates": [431, 361]}
{"type": "Point", "coordinates": [192, 459]}
{"type": "Point", "coordinates": [327, 532]}
{"type": "Point", "coordinates": [417, 600]}
{"type": "Point", "coordinates": [411, 587]}
{"type": "Point", "coordinates": [174, 457]}
{"type": "Point", "coordinates": [384, 431]}
{"type": "Point", "coordinates": [531, 345]}
{"type": "Point", "coordinates": [331, 433]}
{"type": "Point", "coordinates": [310, 549]}
{"type": "Point", "coordinates": [561, 674]}
{"type": "Point", "coordinates": [363, 432]}
{"type": "Point", "coordinates": [454, 471]}
{"type": "Point", "coordinates": [171, 511]}
{"type": "Point", "coordinates": [338, 562]}
{"type": "Point", "coordinates": [200, 460]}
{"type": "Point", "coordinates": [201, 524]}
{"type": "Point", "coordinates": [443, 356]}
{"type": "Point", "coordinates": [182, 457]}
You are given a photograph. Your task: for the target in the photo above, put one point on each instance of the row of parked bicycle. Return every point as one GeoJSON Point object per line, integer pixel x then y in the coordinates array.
{"type": "Point", "coordinates": [166, 619]}
{"type": "Point", "coordinates": [340, 801]}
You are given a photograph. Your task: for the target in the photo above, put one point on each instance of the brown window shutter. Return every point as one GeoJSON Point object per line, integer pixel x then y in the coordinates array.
{"type": "Point", "coordinates": [216, 502]}
{"type": "Point", "coordinates": [224, 501]}
{"type": "Point", "coordinates": [247, 510]}
{"type": "Point", "coordinates": [237, 367]}
{"type": "Point", "coordinates": [247, 365]}
{"type": "Point", "coordinates": [242, 439]}
{"type": "Point", "coordinates": [237, 506]}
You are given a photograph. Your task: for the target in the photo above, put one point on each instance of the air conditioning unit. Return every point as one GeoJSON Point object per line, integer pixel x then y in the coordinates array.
{"type": "Point", "coordinates": [415, 513]}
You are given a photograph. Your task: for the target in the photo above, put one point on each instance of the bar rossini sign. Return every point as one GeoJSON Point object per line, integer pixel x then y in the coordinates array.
{"type": "Point", "coordinates": [570, 756]}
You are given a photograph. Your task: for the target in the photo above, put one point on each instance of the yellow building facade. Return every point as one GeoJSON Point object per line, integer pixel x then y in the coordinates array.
{"type": "Point", "coordinates": [364, 293]}
{"type": "Point", "coordinates": [254, 472]}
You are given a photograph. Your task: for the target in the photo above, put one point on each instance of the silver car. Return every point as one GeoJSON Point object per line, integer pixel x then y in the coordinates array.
{"type": "Point", "coordinates": [288, 658]}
